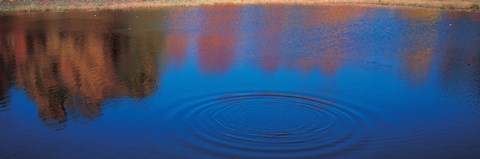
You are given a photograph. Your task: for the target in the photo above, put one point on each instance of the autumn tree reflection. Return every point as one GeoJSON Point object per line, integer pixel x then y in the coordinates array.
{"type": "Point", "coordinates": [323, 44]}
{"type": "Point", "coordinates": [270, 34]}
{"type": "Point", "coordinates": [71, 66]}
{"type": "Point", "coordinates": [421, 38]}
{"type": "Point", "coordinates": [179, 35]}
{"type": "Point", "coordinates": [336, 22]}
{"type": "Point", "coordinates": [5, 70]}
{"type": "Point", "coordinates": [218, 35]}
{"type": "Point", "coordinates": [460, 56]}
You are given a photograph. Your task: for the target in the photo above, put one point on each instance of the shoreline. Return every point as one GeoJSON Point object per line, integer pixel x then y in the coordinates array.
{"type": "Point", "coordinates": [447, 5]}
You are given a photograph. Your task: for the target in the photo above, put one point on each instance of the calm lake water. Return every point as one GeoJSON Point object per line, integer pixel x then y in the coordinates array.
{"type": "Point", "coordinates": [241, 82]}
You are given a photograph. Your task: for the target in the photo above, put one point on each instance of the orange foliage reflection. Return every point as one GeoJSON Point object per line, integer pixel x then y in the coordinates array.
{"type": "Point", "coordinates": [422, 36]}
{"type": "Point", "coordinates": [219, 28]}
{"type": "Point", "coordinates": [72, 70]}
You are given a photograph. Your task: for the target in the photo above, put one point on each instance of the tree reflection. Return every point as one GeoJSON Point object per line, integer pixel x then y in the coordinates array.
{"type": "Point", "coordinates": [460, 56]}
{"type": "Point", "coordinates": [71, 66]}
{"type": "Point", "coordinates": [219, 30]}
{"type": "Point", "coordinates": [5, 72]}
{"type": "Point", "coordinates": [179, 36]}
{"type": "Point", "coordinates": [322, 41]}
{"type": "Point", "coordinates": [420, 38]}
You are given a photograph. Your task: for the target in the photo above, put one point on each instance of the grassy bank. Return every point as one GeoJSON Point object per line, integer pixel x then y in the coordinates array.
{"type": "Point", "coordinates": [61, 5]}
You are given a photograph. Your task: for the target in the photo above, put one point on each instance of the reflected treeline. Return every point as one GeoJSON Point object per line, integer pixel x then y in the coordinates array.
{"type": "Point", "coordinates": [335, 46]}
{"type": "Point", "coordinates": [460, 55]}
{"type": "Point", "coordinates": [217, 37]}
{"type": "Point", "coordinates": [6, 69]}
{"type": "Point", "coordinates": [71, 63]}
{"type": "Point", "coordinates": [443, 43]}
{"type": "Point", "coordinates": [276, 18]}
{"type": "Point", "coordinates": [419, 40]}
{"type": "Point", "coordinates": [306, 38]}
{"type": "Point", "coordinates": [179, 35]}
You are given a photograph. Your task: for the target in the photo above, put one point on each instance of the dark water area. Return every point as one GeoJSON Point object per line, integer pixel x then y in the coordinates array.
{"type": "Point", "coordinates": [241, 82]}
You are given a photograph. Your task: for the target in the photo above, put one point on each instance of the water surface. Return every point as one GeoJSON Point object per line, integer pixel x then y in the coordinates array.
{"type": "Point", "coordinates": [241, 82]}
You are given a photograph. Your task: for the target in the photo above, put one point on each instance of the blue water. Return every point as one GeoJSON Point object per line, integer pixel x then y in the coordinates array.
{"type": "Point", "coordinates": [241, 82]}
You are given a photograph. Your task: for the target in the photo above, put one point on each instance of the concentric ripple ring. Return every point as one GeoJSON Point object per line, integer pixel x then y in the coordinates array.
{"type": "Point", "coordinates": [270, 125]}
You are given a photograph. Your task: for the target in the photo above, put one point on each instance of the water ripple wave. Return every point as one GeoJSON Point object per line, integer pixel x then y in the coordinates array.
{"type": "Point", "coordinates": [264, 124]}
